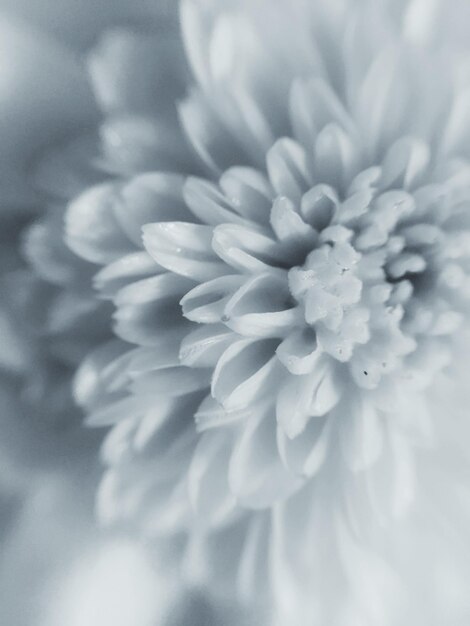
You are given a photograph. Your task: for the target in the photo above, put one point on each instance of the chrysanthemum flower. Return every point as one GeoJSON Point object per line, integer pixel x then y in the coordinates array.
{"type": "Point", "coordinates": [291, 303]}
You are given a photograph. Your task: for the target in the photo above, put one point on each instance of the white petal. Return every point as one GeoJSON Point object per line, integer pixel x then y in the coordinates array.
{"type": "Point", "coordinates": [299, 351]}
{"type": "Point", "coordinates": [196, 36]}
{"type": "Point", "coordinates": [204, 346]}
{"type": "Point", "coordinates": [206, 303]}
{"type": "Point", "coordinates": [208, 204]}
{"type": "Point", "coordinates": [211, 139]}
{"type": "Point", "coordinates": [153, 289]}
{"type": "Point", "coordinates": [256, 475]}
{"type": "Point", "coordinates": [288, 169]}
{"type": "Point", "coordinates": [150, 308]}
{"type": "Point", "coordinates": [152, 197]}
{"type": "Point", "coordinates": [114, 412]}
{"type": "Point", "coordinates": [88, 380]}
{"type": "Point", "coordinates": [289, 226]}
{"type": "Point", "coordinates": [404, 164]}
{"type": "Point", "coordinates": [249, 192]}
{"type": "Point", "coordinates": [382, 100]}
{"type": "Point", "coordinates": [246, 249]}
{"type": "Point", "coordinates": [292, 405]}
{"type": "Point", "coordinates": [336, 157]}
{"type": "Point", "coordinates": [162, 355]}
{"type": "Point", "coordinates": [128, 70]}
{"type": "Point", "coordinates": [354, 206]}
{"type": "Point", "coordinates": [211, 414]}
{"type": "Point", "coordinates": [92, 230]}
{"type": "Point", "coordinates": [262, 307]}
{"type": "Point", "coordinates": [318, 206]}
{"type": "Point", "coordinates": [456, 134]}
{"type": "Point", "coordinates": [166, 435]}
{"type": "Point", "coordinates": [183, 248]}
{"type": "Point", "coordinates": [313, 105]}
{"type": "Point", "coordinates": [173, 382]}
{"type": "Point", "coordinates": [207, 478]}
{"type": "Point", "coordinates": [244, 372]}
{"type": "Point", "coordinates": [361, 434]}
{"type": "Point", "coordinates": [254, 567]}
{"type": "Point", "coordinates": [305, 455]}
{"type": "Point", "coordinates": [127, 269]}
{"type": "Point", "coordinates": [304, 397]}
{"type": "Point", "coordinates": [134, 144]}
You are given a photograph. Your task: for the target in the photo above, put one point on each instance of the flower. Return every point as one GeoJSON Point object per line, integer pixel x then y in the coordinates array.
{"type": "Point", "coordinates": [305, 293]}
{"type": "Point", "coordinates": [291, 304]}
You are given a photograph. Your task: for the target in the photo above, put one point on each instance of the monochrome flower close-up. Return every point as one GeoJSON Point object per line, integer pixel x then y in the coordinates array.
{"type": "Point", "coordinates": [252, 269]}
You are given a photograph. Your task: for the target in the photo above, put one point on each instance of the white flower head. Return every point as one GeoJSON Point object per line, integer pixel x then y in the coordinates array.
{"type": "Point", "coordinates": [288, 258]}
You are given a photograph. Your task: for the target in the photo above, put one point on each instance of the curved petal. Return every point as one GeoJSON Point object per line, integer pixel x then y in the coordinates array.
{"type": "Point", "coordinates": [205, 303]}
{"type": "Point", "coordinates": [243, 372]}
{"type": "Point", "coordinates": [256, 475]}
{"type": "Point", "coordinates": [184, 249]}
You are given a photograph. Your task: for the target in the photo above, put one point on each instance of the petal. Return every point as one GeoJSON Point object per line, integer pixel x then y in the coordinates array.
{"type": "Point", "coordinates": [303, 397]}
{"type": "Point", "coordinates": [211, 414]}
{"type": "Point", "coordinates": [257, 477]}
{"type": "Point", "coordinates": [456, 134]}
{"type": "Point", "coordinates": [249, 192]}
{"type": "Point", "coordinates": [132, 144]}
{"type": "Point", "coordinates": [405, 164]}
{"type": "Point", "coordinates": [305, 455]}
{"type": "Point", "coordinates": [208, 204]}
{"type": "Point", "coordinates": [318, 206]}
{"type": "Point", "coordinates": [290, 228]}
{"type": "Point", "coordinates": [207, 478]}
{"type": "Point", "coordinates": [255, 132]}
{"type": "Point", "coordinates": [336, 157]}
{"type": "Point", "coordinates": [262, 307]}
{"type": "Point", "coordinates": [128, 269]}
{"type": "Point", "coordinates": [183, 248]}
{"type": "Point", "coordinates": [210, 138]}
{"type": "Point", "coordinates": [354, 206]}
{"type": "Point", "coordinates": [138, 72]}
{"type": "Point", "coordinates": [206, 303]}
{"type": "Point", "coordinates": [152, 197]}
{"type": "Point", "coordinates": [204, 346]}
{"type": "Point", "coordinates": [292, 405]}
{"type": "Point", "coordinates": [361, 434]}
{"type": "Point", "coordinates": [313, 105]}
{"type": "Point", "coordinates": [246, 249]}
{"type": "Point", "coordinates": [162, 355]}
{"type": "Point", "coordinates": [166, 435]}
{"type": "Point", "coordinates": [150, 307]}
{"type": "Point", "coordinates": [244, 371]}
{"type": "Point", "coordinates": [196, 34]}
{"type": "Point", "coordinates": [382, 100]}
{"type": "Point", "coordinates": [254, 566]}
{"type": "Point", "coordinates": [88, 382]}
{"type": "Point", "coordinates": [171, 382]}
{"type": "Point", "coordinates": [92, 230]}
{"type": "Point", "coordinates": [114, 412]}
{"type": "Point", "coordinates": [288, 169]}
{"type": "Point", "coordinates": [299, 351]}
